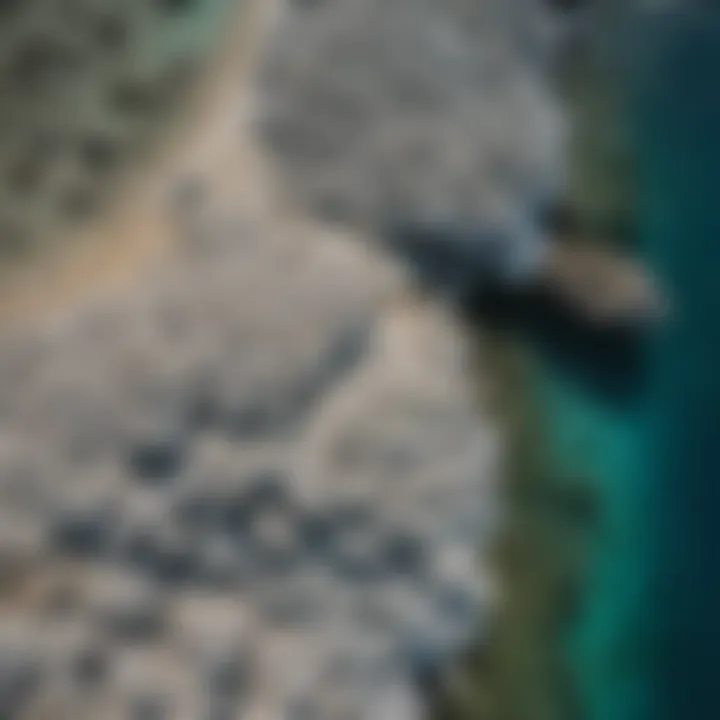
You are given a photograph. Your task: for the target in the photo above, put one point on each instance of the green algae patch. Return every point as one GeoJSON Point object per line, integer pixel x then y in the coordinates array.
{"type": "Point", "coordinates": [602, 169]}
{"type": "Point", "coordinates": [519, 671]}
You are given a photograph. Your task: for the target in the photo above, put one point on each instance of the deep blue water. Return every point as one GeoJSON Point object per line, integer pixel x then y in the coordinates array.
{"type": "Point", "coordinates": [680, 119]}
{"type": "Point", "coordinates": [644, 424]}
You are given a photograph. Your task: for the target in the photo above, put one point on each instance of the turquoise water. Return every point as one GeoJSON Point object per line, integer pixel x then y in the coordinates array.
{"type": "Point", "coordinates": [600, 442]}
{"type": "Point", "coordinates": [646, 643]}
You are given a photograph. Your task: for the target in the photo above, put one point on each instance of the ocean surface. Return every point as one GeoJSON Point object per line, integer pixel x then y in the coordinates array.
{"type": "Point", "coordinates": [639, 417]}
{"type": "Point", "coordinates": [680, 117]}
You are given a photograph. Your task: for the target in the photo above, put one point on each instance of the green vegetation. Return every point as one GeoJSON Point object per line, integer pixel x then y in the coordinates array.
{"type": "Point", "coordinates": [602, 176]}
{"type": "Point", "coordinates": [89, 93]}
{"type": "Point", "coordinates": [519, 672]}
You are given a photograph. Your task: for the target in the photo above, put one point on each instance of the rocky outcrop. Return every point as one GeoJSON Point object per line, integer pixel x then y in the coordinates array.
{"type": "Point", "coordinates": [252, 483]}
{"type": "Point", "coordinates": [378, 110]}
{"type": "Point", "coordinates": [259, 428]}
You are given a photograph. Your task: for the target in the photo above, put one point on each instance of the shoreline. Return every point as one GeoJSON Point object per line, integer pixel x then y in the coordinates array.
{"type": "Point", "coordinates": [524, 671]}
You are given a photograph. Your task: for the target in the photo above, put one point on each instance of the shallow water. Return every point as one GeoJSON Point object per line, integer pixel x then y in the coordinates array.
{"type": "Point", "coordinates": [583, 494]}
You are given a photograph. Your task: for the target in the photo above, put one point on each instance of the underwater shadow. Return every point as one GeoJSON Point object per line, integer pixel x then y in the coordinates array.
{"type": "Point", "coordinates": [605, 362]}
{"type": "Point", "coordinates": [463, 265]}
